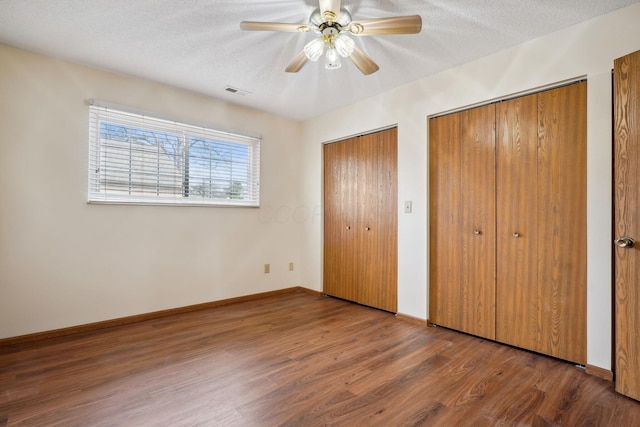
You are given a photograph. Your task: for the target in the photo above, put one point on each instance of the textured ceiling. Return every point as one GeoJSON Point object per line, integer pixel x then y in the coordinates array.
{"type": "Point", "coordinates": [197, 44]}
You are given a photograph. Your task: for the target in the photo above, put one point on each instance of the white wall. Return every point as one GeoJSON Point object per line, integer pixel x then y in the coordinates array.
{"type": "Point", "coordinates": [587, 49]}
{"type": "Point", "coordinates": [64, 262]}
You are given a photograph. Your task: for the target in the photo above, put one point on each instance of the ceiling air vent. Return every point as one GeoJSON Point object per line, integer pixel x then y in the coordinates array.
{"type": "Point", "coordinates": [237, 91]}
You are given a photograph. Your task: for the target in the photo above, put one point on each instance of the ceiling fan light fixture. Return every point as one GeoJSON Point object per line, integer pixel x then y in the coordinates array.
{"type": "Point", "coordinates": [332, 59]}
{"type": "Point", "coordinates": [334, 25]}
{"type": "Point", "coordinates": [344, 45]}
{"type": "Point", "coordinates": [313, 50]}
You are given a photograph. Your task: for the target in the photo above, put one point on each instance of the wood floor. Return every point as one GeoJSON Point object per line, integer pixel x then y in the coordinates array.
{"type": "Point", "coordinates": [296, 359]}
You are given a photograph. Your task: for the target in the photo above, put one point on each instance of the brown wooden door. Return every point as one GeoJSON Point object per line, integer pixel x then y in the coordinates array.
{"type": "Point", "coordinates": [627, 223]}
{"type": "Point", "coordinates": [478, 250]}
{"type": "Point", "coordinates": [541, 160]}
{"type": "Point", "coordinates": [444, 219]}
{"type": "Point", "coordinates": [517, 299]}
{"type": "Point", "coordinates": [340, 220]}
{"type": "Point", "coordinates": [562, 219]}
{"type": "Point", "coordinates": [462, 221]}
{"type": "Point", "coordinates": [360, 219]}
{"type": "Point", "coordinates": [378, 221]}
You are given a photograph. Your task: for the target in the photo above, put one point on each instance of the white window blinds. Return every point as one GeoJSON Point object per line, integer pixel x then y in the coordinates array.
{"type": "Point", "coordinates": [135, 158]}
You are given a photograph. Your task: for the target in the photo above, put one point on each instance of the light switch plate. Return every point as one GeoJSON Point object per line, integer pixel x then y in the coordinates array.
{"type": "Point", "coordinates": [407, 206]}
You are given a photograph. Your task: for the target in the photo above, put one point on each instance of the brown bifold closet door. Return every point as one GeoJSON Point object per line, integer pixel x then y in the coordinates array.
{"type": "Point", "coordinates": [626, 83]}
{"type": "Point", "coordinates": [562, 221]}
{"type": "Point", "coordinates": [360, 219]}
{"type": "Point", "coordinates": [507, 212]}
{"type": "Point", "coordinates": [517, 306]}
{"type": "Point", "coordinates": [378, 219]}
{"type": "Point", "coordinates": [340, 197]}
{"type": "Point", "coordinates": [462, 221]}
{"type": "Point", "coordinates": [541, 240]}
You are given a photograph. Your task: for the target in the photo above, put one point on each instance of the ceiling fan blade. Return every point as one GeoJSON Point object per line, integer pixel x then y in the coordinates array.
{"type": "Point", "coordinates": [394, 25]}
{"type": "Point", "coordinates": [364, 63]}
{"type": "Point", "coordinates": [330, 9]}
{"type": "Point", "coordinates": [297, 63]}
{"type": "Point", "coordinates": [274, 26]}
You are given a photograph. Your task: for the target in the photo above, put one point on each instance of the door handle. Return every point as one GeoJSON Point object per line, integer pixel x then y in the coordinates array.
{"type": "Point", "coordinates": [625, 242]}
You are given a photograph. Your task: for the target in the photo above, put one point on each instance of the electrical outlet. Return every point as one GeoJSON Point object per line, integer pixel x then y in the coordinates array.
{"type": "Point", "coordinates": [290, 266]}
{"type": "Point", "coordinates": [267, 268]}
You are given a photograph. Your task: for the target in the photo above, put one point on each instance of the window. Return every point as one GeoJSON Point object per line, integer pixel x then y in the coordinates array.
{"type": "Point", "coordinates": [134, 158]}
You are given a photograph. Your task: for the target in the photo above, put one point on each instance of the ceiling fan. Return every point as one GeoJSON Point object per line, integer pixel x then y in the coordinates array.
{"type": "Point", "coordinates": [334, 25]}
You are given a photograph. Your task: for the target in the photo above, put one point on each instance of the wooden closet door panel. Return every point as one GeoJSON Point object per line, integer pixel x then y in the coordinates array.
{"type": "Point", "coordinates": [388, 218]}
{"type": "Point", "coordinates": [340, 204]}
{"type": "Point", "coordinates": [367, 226]}
{"type": "Point", "coordinates": [444, 219]}
{"type": "Point", "coordinates": [627, 223]}
{"type": "Point", "coordinates": [476, 229]}
{"type": "Point", "coordinates": [517, 299]}
{"type": "Point", "coordinates": [378, 284]}
{"type": "Point", "coordinates": [562, 221]}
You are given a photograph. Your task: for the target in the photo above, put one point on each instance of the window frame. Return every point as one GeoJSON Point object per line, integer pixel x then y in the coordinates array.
{"type": "Point", "coordinates": [233, 182]}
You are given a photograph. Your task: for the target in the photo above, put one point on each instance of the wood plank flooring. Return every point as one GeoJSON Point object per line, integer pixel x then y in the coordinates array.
{"type": "Point", "coordinates": [295, 359]}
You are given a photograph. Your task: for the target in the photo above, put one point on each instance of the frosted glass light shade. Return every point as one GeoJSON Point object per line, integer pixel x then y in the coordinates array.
{"type": "Point", "coordinates": [332, 60]}
{"type": "Point", "coordinates": [344, 45]}
{"type": "Point", "coordinates": [313, 50]}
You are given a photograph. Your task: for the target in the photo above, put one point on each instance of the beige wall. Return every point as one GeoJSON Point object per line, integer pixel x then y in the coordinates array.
{"type": "Point", "coordinates": [64, 262]}
{"type": "Point", "coordinates": [588, 50]}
